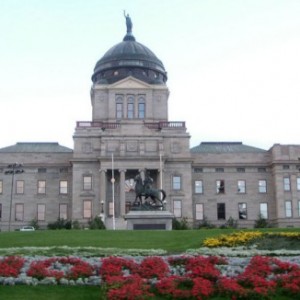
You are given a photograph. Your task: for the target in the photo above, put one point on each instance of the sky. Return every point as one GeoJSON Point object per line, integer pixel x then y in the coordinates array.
{"type": "Point", "coordinates": [233, 65]}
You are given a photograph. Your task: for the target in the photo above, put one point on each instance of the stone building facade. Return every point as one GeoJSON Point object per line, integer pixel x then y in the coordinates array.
{"type": "Point", "coordinates": [130, 132]}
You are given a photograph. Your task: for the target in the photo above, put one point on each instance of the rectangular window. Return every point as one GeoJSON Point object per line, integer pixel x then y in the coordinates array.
{"type": "Point", "coordinates": [42, 170]}
{"type": "Point", "coordinates": [130, 110]}
{"type": "Point", "coordinates": [87, 183]}
{"type": "Point", "coordinates": [41, 212]}
{"type": "Point", "coordinates": [219, 170]}
{"type": "Point", "coordinates": [261, 170]}
{"type": "Point", "coordinates": [241, 170]}
{"type": "Point", "coordinates": [288, 209]}
{"type": "Point", "coordinates": [63, 211]}
{"type": "Point", "coordinates": [1, 186]}
{"type": "Point", "coordinates": [241, 186]}
{"type": "Point", "coordinates": [198, 170]}
{"type": "Point", "coordinates": [198, 187]}
{"type": "Point", "coordinates": [199, 211]}
{"type": "Point", "coordinates": [221, 211]}
{"type": "Point", "coordinates": [262, 186]}
{"type": "Point", "coordinates": [87, 209]}
{"type": "Point", "coordinates": [242, 211]}
{"type": "Point", "coordinates": [111, 208]}
{"type": "Point", "coordinates": [63, 187]}
{"type": "Point", "coordinates": [20, 187]}
{"type": "Point", "coordinates": [41, 188]}
{"type": "Point", "coordinates": [285, 167]}
{"type": "Point", "coordinates": [141, 108]}
{"type": "Point", "coordinates": [19, 212]}
{"type": "Point", "coordinates": [177, 208]}
{"type": "Point", "coordinates": [286, 184]}
{"type": "Point", "coordinates": [119, 110]}
{"type": "Point", "coordinates": [298, 183]}
{"type": "Point", "coordinates": [220, 186]}
{"type": "Point", "coordinates": [176, 182]}
{"type": "Point", "coordinates": [263, 210]}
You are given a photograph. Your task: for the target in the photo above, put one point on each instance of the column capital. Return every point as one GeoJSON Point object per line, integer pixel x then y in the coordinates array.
{"type": "Point", "coordinates": [122, 170]}
{"type": "Point", "coordinates": [103, 170]}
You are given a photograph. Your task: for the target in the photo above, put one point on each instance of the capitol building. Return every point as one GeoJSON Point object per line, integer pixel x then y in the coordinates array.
{"type": "Point", "coordinates": [130, 132]}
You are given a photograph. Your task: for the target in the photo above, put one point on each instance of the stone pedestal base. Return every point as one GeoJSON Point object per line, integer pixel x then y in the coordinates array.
{"type": "Point", "coordinates": [142, 220]}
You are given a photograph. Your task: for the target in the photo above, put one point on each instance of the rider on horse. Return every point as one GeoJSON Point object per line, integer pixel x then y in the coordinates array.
{"type": "Point", "coordinates": [148, 181]}
{"type": "Point", "coordinates": [143, 188]}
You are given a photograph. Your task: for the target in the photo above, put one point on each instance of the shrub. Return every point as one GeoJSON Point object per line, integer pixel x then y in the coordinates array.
{"type": "Point", "coordinates": [261, 222]}
{"type": "Point", "coordinates": [96, 223]}
{"type": "Point", "coordinates": [231, 223]}
{"type": "Point", "coordinates": [60, 224]}
{"type": "Point", "coordinates": [75, 224]}
{"type": "Point", "coordinates": [180, 224]}
{"type": "Point", "coordinates": [34, 223]}
{"type": "Point", "coordinates": [205, 224]}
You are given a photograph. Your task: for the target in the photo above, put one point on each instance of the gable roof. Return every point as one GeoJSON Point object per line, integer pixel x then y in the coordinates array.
{"type": "Point", "coordinates": [36, 147]}
{"type": "Point", "coordinates": [225, 147]}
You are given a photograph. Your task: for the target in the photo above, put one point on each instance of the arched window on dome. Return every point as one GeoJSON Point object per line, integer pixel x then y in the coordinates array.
{"type": "Point", "coordinates": [141, 108]}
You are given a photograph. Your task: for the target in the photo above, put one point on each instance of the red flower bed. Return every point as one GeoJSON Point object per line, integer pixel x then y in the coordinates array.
{"type": "Point", "coordinates": [261, 279]}
{"type": "Point", "coordinates": [153, 267]}
{"type": "Point", "coordinates": [46, 268]}
{"type": "Point", "coordinates": [10, 266]}
{"type": "Point", "coordinates": [178, 277]}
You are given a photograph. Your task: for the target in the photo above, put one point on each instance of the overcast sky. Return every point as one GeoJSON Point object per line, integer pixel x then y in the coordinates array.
{"type": "Point", "coordinates": [233, 65]}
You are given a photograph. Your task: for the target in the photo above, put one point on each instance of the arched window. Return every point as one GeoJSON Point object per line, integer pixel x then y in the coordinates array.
{"type": "Point", "coordinates": [119, 107]}
{"type": "Point", "coordinates": [141, 108]}
{"type": "Point", "coordinates": [130, 107]}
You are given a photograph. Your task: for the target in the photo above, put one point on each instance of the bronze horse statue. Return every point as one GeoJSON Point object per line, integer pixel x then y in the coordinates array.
{"type": "Point", "coordinates": [144, 189]}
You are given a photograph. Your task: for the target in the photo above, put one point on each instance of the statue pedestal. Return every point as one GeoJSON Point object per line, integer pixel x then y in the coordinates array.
{"type": "Point", "coordinates": [150, 219]}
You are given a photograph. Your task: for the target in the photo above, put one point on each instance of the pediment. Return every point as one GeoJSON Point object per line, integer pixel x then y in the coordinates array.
{"type": "Point", "coordinates": [130, 83]}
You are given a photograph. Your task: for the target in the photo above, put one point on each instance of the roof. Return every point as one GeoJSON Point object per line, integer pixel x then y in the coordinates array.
{"type": "Point", "coordinates": [129, 58]}
{"type": "Point", "coordinates": [36, 147]}
{"type": "Point", "coordinates": [225, 147]}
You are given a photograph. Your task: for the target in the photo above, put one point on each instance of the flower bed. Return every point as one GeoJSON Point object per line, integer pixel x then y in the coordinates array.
{"type": "Point", "coordinates": [243, 238]}
{"type": "Point", "coordinates": [170, 277]}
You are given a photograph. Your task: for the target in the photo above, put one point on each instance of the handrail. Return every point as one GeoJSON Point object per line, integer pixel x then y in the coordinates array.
{"type": "Point", "coordinates": [103, 125]}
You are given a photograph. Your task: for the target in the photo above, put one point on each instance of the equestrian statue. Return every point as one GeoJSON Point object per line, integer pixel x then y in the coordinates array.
{"type": "Point", "coordinates": [143, 188]}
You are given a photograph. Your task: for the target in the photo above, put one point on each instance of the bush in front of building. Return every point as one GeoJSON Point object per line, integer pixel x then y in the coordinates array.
{"type": "Point", "coordinates": [60, 224]}
{"type": "Point", "coordinates": [206, 224]}
{"type": "Point", "coordinates": [34, 223]}
{"type": "Point", "coordinates": [76, 225]}
{"type": "Point", "coordinates": [261, 222]}
{"type": "Point", "coordinates": [96, 223]}
{"type": "Point", "coordinates": [181, 224]}
{"type": "Point", "coordinates": [230, 223]}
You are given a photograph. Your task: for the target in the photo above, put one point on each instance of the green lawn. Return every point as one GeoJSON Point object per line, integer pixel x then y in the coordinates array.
{"type": "Point", "coordinates": [172, 241]}
{"type": "Point", "coordinates": [50, 292]}
{"type": "Point", "coordinates": [68, 293]}
{"type": "Point", "coordinates": [175, 241]}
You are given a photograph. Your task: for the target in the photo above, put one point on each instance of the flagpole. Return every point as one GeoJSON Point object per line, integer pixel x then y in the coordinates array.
{"type": "Point", "coordinates": [113, 190]}
{"type": "Point", "coordinates": [161, 174]}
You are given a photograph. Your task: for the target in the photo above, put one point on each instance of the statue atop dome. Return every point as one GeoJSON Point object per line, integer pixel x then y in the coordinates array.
{"type": "Point", "coordinates": [128, 23]}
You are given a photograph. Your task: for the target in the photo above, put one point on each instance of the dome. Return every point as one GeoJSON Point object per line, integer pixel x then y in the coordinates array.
{"type": "Point", "coordinates": [129, 58]}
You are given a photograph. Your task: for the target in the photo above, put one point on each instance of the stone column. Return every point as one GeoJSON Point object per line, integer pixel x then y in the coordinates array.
{"type": "Point", "coordinates": [103, 200]}
{"type": "Point", "coordinates": [161, 172]}
{"type": "Point", "coordinates": [122, 192]}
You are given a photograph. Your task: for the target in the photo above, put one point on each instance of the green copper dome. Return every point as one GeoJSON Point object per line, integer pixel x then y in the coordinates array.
{"type": "Point", "coordinates": [129, 58]}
